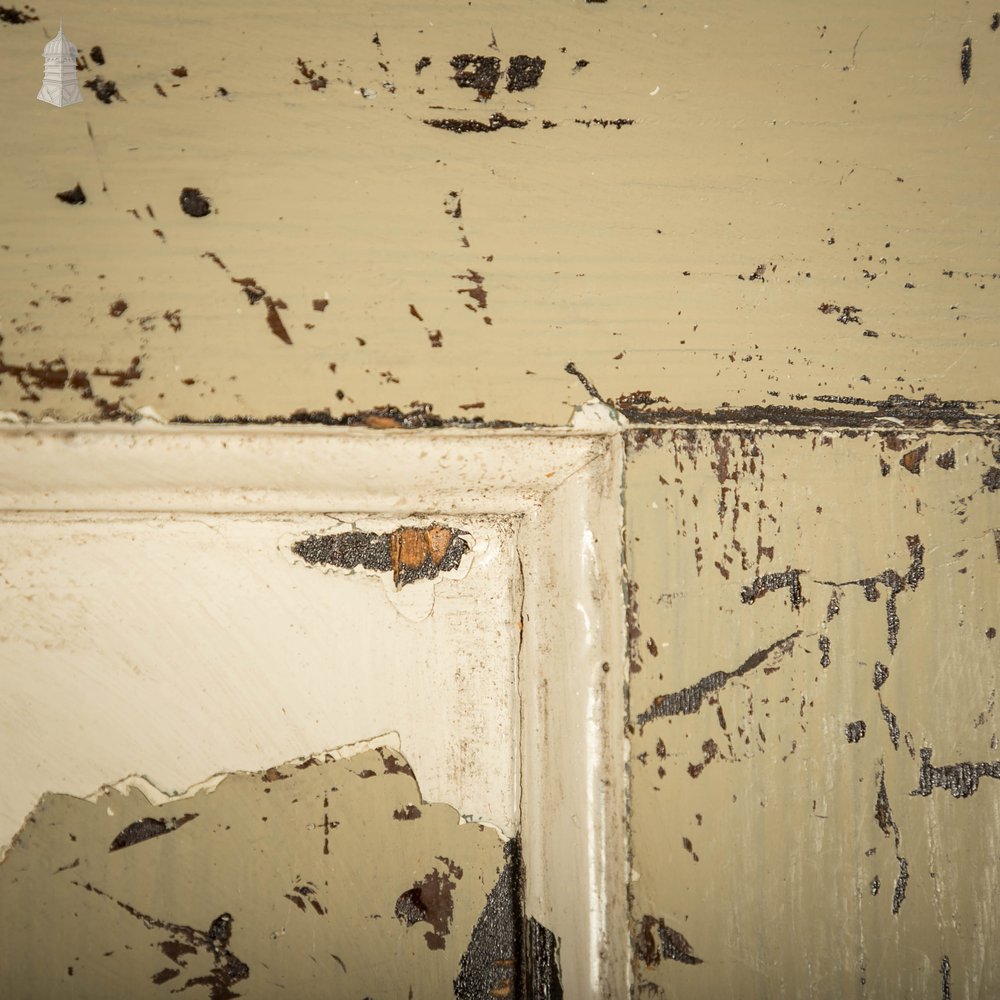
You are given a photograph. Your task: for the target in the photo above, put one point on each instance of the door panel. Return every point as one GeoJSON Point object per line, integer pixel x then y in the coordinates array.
{"type": "Point", "coordinates": [312, 710]}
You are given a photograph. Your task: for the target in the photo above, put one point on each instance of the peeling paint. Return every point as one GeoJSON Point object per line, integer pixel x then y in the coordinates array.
{"type": "Point", "coordinates": [855, 731]}
{"type": "Point", "coordinates": [430, 901]}
{"type": "Point", "coordinates": [789, 579]}
{"type": "Point", "coordinates": [689, 699]}
{"type": "Point", "coordinates": [655, 941]}
{"type": "Point", "coordinates": [870, 568]}
{"type": "Point", "coordinates": [148, 827]}
{"type": "Point", "coordinates": [410, 553]}
{"type": "Point", "coordinates": [962, 780]}
{"type": "Point", "coordinates": [420, 416]}
{"type": "Point", "coordinates": [852, 412]}
{"type": "Point", "coordinates": [219, 906]}
{"type": "Point", "coordinates": [692, 303]}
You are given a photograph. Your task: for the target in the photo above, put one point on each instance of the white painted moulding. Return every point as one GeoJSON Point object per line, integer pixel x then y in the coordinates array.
{"type": "Point", "coordinates": [554, 494]}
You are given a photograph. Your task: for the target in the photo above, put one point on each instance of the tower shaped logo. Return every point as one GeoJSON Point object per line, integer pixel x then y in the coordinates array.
{"type": "Point", "coordinates": [60, 86]}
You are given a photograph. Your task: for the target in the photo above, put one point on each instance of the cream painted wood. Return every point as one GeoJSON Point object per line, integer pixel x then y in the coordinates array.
{"type": "Point", "coordinates": [156, 622]}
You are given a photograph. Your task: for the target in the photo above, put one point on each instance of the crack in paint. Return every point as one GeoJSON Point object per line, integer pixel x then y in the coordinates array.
{"type": "Point", "coordinates": [896, 584]}
{"type": "Point", "coordinates": [891, 723]}
{"type": "Point", "coordinates": [886, 823]}
{"type": "Point", "coordinates": [227, 968]}
{"type": "Point", "coordinates": [688, 700]}
{"type": "Point", "coordinates": [640, 407]}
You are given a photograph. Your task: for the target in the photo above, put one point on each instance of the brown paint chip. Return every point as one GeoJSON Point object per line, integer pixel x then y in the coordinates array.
{"type": "Point", "coordinates": [274, 320]}
{"type": "Point", "coordinates": [11, 15]}
{"type": "Point", "coordinates": [496, 122]}
{"type": "Point", "coordinates": [410, 812]}
{"type": "Point", "coordinates": [430, 901]}
{"type": "Point", "coordinates": [194, 203]}
{"type": "Point", "coordinates": [477, 293]}
{"type": "Point", "coordinates": [655, 941]}
{"type": "Point", "coordinates": [395, 765]}
{"type": "Point", "coordinates": [480, 73]}
{"type": "Point", "coordinates": [104, 90]}
{"type": "Point", "coordinates": [524, 72]}
{"type": "Point", "coordinates": [411, 548]}
{"type": "Point", "coordinates": [991, 479]}
{"type": "Point", "coordinates": [251, 289]}
{"type": "Point", "coordinates": [912, 459]}
{"type": "Point", "coordinates": [74, 196]}
{"type": "Point", "coordinates": [315, 80]}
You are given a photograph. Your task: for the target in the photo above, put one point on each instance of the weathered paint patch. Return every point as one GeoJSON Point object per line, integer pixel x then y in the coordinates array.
{"type": "Point", "coordinates": [185, 944]}
{"type": "Point", "coordinates": [642, 407]}
{"type": "Point", "coordinates": [278, 865]}
{"type": "Point", "coordinates": [655, 941]}
{"type": "Point", "coordinates": [11, 15]}
{"type": "Point", "coordinates": [497, 121]}
{"type": "Point", "coordinates": [891, 576]}
{"type": "Point", "coordinates": [410, 553]}
{"type": "Point", "coordinates": [886, 823]}
{"type": "Point", "coordinates": [35, 378]}
{"type": "Point", "coordinates": [430, 901]}
{"type": "Point", "coordinates": [420, 416]}
{"type": "Point", "coordinates": [855, 731]}
{"type": "Point", "coordinates": [509, 956]}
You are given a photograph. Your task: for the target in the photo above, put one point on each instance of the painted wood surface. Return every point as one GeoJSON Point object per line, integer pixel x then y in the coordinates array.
{"type": "Point", "coordinates": [689, 190]}
{"type": "Point", "coordinates": [731, 220]}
